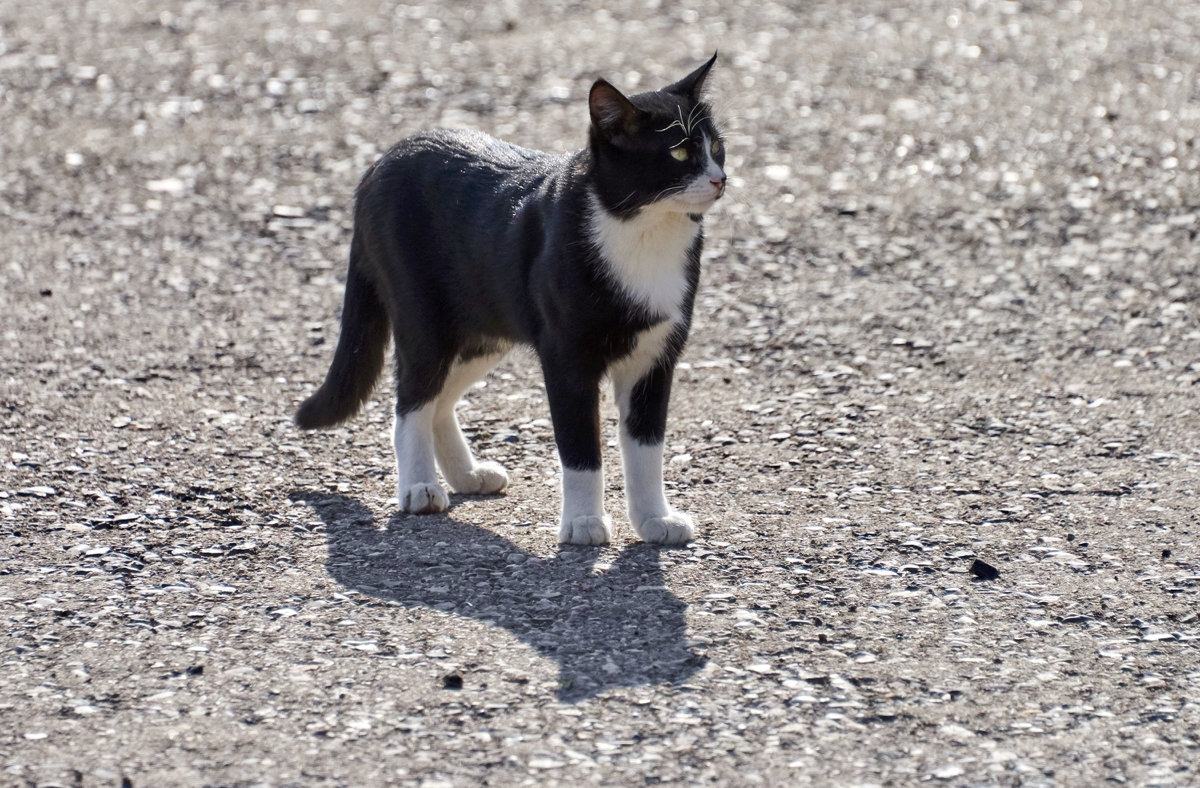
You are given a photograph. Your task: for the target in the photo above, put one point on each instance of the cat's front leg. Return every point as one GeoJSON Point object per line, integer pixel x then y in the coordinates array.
{"type": "Point", "coordinates": [643, 410]}
{"type": "Point", "coordinates": [575, 410]}
{"type": "Point", "coordinates": [584, 520]}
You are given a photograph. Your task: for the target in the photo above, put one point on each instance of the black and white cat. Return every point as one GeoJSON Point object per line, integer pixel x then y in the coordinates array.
{"type": "Point", "coordinates": [465, 245]}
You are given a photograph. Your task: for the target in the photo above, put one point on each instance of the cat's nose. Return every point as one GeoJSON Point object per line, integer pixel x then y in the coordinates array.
{"type": "Point", "coordinates": [718, 181]}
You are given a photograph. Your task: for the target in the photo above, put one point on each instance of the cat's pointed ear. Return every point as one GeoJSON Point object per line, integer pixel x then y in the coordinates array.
{"type": "Point", "coordinates": [692, 85]}
{"type": "Point", "coordinates": [612, 113]}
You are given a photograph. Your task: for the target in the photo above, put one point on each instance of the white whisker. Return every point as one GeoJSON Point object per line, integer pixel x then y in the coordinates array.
{"type": "Point", "coordinates": [677, 188]}
{"type": "Point", "coordinates": [690, 119]}
{"type": "Point", "coordinates": [625, 199]}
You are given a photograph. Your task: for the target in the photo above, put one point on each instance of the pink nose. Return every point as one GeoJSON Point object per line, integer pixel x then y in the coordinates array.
{"type": "Point", "coordinates": [719, 182]}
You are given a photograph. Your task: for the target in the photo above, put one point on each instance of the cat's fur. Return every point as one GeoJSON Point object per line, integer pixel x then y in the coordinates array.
{"type": "Point", "coordinates": [465, 245]}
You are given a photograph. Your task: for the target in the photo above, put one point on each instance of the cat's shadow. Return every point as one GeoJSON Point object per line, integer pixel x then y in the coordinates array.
{"type": "Point", "coordinates": [605, 627]}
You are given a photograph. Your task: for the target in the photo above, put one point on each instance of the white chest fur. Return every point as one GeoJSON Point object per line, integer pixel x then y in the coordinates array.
{"type": "Point", "coordinates": [647, 255]}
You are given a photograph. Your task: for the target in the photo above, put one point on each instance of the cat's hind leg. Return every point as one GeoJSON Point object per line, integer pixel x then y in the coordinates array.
{"type": "Point", "coordinates": [463, 472]}
{"type": "Point", "coordinates": [417, 488]}
{"type": "Point", "coordinates": [421, 370]}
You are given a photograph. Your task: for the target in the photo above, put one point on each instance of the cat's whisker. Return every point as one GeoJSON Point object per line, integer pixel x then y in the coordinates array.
{"type": "Point", "coordinates": [676, 189]}
{"type": "Point", "coordinates": [624, 200]}
{"type": "Point", "coordinates": [681, 128]}
{"type": "Point", "coordinates": [690, 121]}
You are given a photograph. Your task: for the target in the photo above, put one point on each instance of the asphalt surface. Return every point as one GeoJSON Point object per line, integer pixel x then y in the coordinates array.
{"type": "Point", "coordinates": [948, 314]}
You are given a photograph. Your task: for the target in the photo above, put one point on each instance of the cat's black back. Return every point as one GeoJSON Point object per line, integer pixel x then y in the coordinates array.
{"type": "Point", "coordinates": [480, 241]}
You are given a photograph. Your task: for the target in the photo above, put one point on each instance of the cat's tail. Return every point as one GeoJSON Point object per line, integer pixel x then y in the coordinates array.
{"type": "Point", "coordinates": [358, 359]}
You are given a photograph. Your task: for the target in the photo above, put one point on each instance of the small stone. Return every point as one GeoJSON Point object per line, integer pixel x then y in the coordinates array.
{"type": "Point", "coordinates": [38, 491]}
{"type": "Point", "coordinates": [949, 772]}
{"type": "Point", "coordinates": [777, 172]}
{"type": "Point", "coordinates": [172, 186]}
{"type": "Point", "coordinates": [1155, 637]}
{"type": "Point", "coordinates": [955, 733]}
{"type": "Point", "coordinates": [984, 570]}
{"type": "Point", "coordinates": [452, 681]}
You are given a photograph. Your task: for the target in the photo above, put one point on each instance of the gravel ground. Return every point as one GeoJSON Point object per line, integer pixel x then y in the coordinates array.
{"type": "Point", "coordinates": [949, 313]}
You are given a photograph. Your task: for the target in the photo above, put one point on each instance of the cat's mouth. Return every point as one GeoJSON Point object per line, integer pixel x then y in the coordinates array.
{"type": "Point", "coordinates": [700, 195]}
{"type": "Point", "coordinates": [715, 191]}
{"type": "Point", "coordinates": [712, 188]}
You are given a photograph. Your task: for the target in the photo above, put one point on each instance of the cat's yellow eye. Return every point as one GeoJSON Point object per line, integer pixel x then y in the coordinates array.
{"type": "Point", "coordinates": [716, 147]}
{"type": "Point", "coordinates": [679, 154]}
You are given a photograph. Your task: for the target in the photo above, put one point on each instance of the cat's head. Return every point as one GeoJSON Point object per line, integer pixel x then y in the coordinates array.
{"type": "Point", "coordinates": [656, 151]}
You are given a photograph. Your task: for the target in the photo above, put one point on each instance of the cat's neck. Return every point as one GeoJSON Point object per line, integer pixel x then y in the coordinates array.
{"type": "Point", "coordinates": [647, 254]}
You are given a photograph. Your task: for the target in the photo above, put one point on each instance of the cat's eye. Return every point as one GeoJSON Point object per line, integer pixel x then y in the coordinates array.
{"type": "Point", "coordinates": [716, 147]}
{"type": "Point", "coordinates": [679, 154]}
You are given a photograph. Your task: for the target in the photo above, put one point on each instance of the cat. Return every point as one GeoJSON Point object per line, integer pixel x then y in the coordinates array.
{"type": "Point", "coordinates": [464, 246]}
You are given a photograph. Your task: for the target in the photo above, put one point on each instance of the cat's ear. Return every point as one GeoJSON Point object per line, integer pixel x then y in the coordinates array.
{"type": "Point", "coordinates": [612, 114]}
{"type": "Point", "coordinates": [692, 85]}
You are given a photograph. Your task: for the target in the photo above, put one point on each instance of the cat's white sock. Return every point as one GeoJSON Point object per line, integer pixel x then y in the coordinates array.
{"type": "Point", "coordinates": [463, 473]}
{"type": "Point", "coordinates": [583, 518]}
{"type": "Point", "coordinates": [652, 517]}
{"type": "Point", "coordinates": [417, 488]}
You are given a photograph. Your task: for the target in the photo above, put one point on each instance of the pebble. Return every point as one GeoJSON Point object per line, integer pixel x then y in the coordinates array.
{"type": "Point", "coordinates": [38, 491]}
{"type": "Point", "coordinates": [949, 772]}
{"type": "Point", "coordinates": [172, 186]}
{"type": "Point", "coordinates": [983, 570]}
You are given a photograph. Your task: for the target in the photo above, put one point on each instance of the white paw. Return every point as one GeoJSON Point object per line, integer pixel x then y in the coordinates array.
{"type": "Point", "coordinates": [486, 478]}
{"type": "Point", "coordinates": [425, 498]}
{"type": "Point", "coordinates": [674, 528]}
{"type": "Point", "coordinates": [586, 529]}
